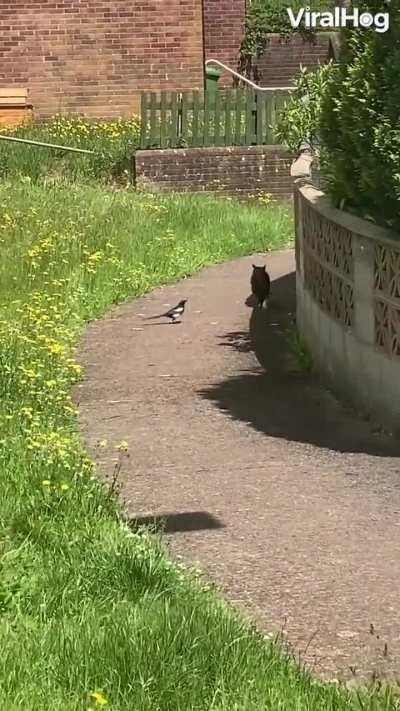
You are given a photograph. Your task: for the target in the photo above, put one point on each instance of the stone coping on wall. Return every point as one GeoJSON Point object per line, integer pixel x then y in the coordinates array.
{"type": "Point", "coordinates": [217, 150]}
{"type": "Point", "coordinates": [365, 228]}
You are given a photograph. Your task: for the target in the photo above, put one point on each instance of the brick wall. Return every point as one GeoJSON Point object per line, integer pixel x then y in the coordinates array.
{"type": "Point", "coordinates": [235, 171]}
{"type": "Point", "coordinates": [279, 64]}
{"type": "Point", "coordinates": [223, 32]}
{"type": "Point", "coordinates": [95, 56]}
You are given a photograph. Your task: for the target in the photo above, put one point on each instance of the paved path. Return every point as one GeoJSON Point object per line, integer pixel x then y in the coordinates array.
{"type": "Point", "coordinates": [287, 500]}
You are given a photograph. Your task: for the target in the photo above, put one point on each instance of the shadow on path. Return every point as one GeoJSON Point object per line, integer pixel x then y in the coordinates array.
{"type": "Point", "coordinates": [178, 522]}
{"type": "Point", "coordinates": [282, 401]}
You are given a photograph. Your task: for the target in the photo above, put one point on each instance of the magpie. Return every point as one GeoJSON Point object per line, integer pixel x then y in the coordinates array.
{"type": "Point", "coordinates": [260, 284]}
{"type": "Point", "coordinates": [173, 313]}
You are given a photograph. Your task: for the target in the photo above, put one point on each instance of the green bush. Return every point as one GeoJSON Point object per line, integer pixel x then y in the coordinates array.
{"type": "Point", "coordinates": [267, 16]}
{"type": "Point", "coordinates": [113, 143]}
{"type": "Point", "coordinates": [299, 121]}
{"type": "Point", "coordinates": [360, 131]}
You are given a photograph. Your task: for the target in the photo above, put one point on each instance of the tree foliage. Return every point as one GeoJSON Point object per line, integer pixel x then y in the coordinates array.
{"type": "Point", "coordinates": [270, 16]}
{"type": "Point", "coordinates": [299, 121]}
{"type": "Point", "coordinates": [360, 122]}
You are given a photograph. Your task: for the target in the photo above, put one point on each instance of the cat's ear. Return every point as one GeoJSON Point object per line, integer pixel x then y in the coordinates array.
{"type": "Point", "coordinates": [265, 267]}
{"type": "Point", "coordinates": [254, 266]}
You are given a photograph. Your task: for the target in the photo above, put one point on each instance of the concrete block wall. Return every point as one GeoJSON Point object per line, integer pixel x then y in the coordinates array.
{"type": "Point", "coordinates": [361, 362]}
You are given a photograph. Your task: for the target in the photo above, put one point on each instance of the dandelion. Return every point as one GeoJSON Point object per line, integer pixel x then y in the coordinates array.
{"type": "Point", "coordinates": [55, 348]}
{"type": "Point", "coordinates": [70, 410]}
{"type": "Point", "coordinates": [103, 443]}
{"type": "Point", "coordinates": [45, 482]}
{"type": "Point", "coordinates": [51, 383]}
{"type": "Point", "coordinates": [95, 256]}
{"type": "Point", "coordinates": [99, 699]}
{"type": "Point", "coordinates": [122, 446]}
{"type": "Point", "coordinates": [27, 411]}
{"type": "Point", "coordinates": [64, 487]}
{"type": "Point", "coordinates": [75, 367]}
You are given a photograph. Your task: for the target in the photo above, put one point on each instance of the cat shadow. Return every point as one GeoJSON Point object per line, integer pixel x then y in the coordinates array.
{"type": "Point", "coordinates": [251, 301]}
{"type": "Point", "coordinates": [278, 396]}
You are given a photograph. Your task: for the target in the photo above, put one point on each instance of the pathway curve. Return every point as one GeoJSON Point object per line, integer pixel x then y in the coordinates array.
{"type": "Point", "coordinates": [283, 496]}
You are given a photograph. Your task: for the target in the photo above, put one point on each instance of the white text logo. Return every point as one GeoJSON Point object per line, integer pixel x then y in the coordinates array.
{"type": "Point", "coordinates": [338, 18]}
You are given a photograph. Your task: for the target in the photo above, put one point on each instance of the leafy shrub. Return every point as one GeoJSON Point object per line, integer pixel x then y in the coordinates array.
{"type": "Point", "coordinates": [113, 143]}
{"type": "Point", "coordinates": [360, 130]}
{"type": "Point", "coordinates": [267, 16]}
{"type": "Point", "coordinates": [299, 121]}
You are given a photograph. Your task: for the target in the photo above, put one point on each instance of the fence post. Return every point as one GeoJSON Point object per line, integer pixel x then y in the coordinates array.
{"type": "Point", "coordinates": [143, 126]}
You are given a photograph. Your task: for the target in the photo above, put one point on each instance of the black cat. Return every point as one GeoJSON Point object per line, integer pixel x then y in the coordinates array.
{"type": "Point", "coordinates": [260, 284]}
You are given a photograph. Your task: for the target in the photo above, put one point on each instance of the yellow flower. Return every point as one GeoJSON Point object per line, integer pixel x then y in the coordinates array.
{"type": "Point", "coordinates": [51, 383]}
{"type": "Point", "coordinates": [64, 487]}
{"type": "Point", "coordinates": [95, 256]}
{"type": "Point", "coordinates": [55, 348]}
{"type": "Point", "coordinates": [75, 367]}
{"type": "Point", "coordinates": [27, 411]}
{"type": "Point", "coordinates": [103, 443]}
{"type": "Point", "coordinates": [45, 482]}
{"type": "Point", "coordinates": [122, 446]}
{"type": "Point", "coordinates": [70, 410]}
{"type": "Point", "coordinates": [98, 698]}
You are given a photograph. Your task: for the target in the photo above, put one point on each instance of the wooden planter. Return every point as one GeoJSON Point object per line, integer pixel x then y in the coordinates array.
{"type": "Point", "coordinates": [14, 106]}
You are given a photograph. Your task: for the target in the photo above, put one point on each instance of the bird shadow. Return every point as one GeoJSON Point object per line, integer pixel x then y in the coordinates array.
{"type": "Point", "coordinates": [277, 397]}
{"type": "Point", "coordinates": [161, 323]}
{"type": "Point", "coordinates": [177, 522]}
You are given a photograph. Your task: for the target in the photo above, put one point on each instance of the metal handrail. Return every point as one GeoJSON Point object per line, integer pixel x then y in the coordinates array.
{"type": "Point", "coordinates": [45, 145]}
{"type": "Point", "coordinates": [248, 81]}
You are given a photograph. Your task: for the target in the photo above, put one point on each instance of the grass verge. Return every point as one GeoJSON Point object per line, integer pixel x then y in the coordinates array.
{"type": "Point", "coordinates": [91, 614]}
{"type": "Point", "coordinates": [113, 142]}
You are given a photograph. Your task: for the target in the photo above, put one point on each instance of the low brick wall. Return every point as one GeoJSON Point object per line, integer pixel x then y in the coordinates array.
{"type": "Point", "coordinates": [279, 64]}
{"type": "Point", "coordinates": [235, 171]}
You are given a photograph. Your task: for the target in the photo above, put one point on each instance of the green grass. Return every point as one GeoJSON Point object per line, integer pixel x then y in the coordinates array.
{"type": "Point", "coordinates": [300, 351]}
{"type": "Point", "coordinates": [85, 604]}
{"type": "Point", "coordinates": [113, 143]}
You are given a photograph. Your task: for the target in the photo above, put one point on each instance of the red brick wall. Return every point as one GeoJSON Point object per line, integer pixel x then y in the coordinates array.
{"type": "Point", "coordinates": [279, 64]}
{"type": "Point", "coordinates": [95, 56]}
{"type": "Point", "coordinates": [223, 32]}
{"type": "Point", "coordinates": [236, 171]}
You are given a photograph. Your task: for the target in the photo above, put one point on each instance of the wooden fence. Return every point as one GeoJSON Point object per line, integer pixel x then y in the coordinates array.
{"type": "Point", "coordinates": [230, 117]}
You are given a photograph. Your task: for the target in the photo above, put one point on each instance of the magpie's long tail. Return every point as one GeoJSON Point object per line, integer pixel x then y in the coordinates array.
{"type": "Point", "coordinates": [148, 318]}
